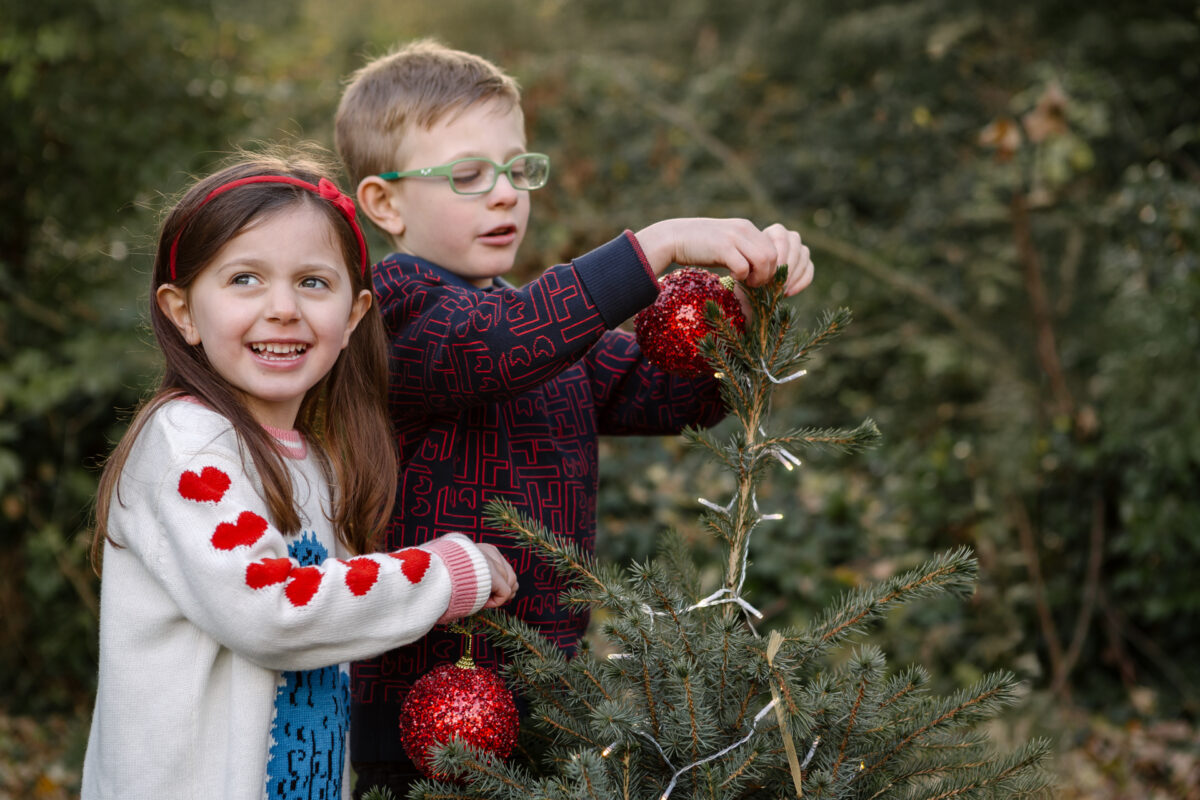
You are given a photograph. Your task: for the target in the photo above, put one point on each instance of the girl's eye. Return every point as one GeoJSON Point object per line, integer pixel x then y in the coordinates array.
{"type": "Point", "coordinates": [314, 283]}
{"type": "Point", "coordinates": [244, 279]}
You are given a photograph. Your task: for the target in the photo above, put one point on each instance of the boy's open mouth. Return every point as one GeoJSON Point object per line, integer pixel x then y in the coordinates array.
{"type": "Point", "coordinates": [502, 230]}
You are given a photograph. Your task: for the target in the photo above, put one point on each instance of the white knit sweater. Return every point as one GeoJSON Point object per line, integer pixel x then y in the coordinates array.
{"type": "Point", "coordinates": [223, 643]}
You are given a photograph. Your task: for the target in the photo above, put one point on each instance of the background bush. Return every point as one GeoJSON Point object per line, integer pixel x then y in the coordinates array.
{"type": "Point", "coordinates": [1005, 195]}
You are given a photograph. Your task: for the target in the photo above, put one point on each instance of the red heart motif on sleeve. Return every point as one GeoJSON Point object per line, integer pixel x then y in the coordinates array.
{"type": "Point", "coordinates": [361, 576]}
{"type": "Point", "coordinates": [248, 529]}
{"type": "Point", "coordinates": [303, 585]}
{"type": "Point", "coordinates": [413, 563]}
{"type": "Point", "coordinates": [267, 572]}
{"type": "Point", "coordinates": [207, 487]}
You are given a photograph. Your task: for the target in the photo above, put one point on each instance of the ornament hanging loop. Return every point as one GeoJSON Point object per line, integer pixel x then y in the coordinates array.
{"type": "Point", "coordinates": [467, 661]}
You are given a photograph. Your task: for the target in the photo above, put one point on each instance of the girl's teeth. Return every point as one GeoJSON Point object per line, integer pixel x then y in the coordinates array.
{"type": "Point", "coordinates": [279, 349]}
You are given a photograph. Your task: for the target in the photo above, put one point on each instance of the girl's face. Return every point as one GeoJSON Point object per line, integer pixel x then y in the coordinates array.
{"type": "Point", "coordinates": [272, 310]}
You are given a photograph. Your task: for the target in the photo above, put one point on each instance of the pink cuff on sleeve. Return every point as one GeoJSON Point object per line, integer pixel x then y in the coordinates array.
{"type": "Point", "coordinates": [470, 578]}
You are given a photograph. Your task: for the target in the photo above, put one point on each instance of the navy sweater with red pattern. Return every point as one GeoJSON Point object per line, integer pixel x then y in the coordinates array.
{"type": "Point", "coordinates": [501, 393]}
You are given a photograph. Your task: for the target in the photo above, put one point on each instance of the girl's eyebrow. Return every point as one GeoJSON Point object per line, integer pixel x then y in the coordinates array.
{"type": "Point", "coordinates": [237, 263]}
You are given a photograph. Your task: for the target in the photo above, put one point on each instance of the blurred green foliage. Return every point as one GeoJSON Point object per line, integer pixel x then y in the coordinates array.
{"type": "Point", "coordinates": [1006, 196]}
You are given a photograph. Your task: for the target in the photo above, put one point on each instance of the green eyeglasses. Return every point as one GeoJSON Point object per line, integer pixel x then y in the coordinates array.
{"type": "Point", "coordinates": [527, 172]}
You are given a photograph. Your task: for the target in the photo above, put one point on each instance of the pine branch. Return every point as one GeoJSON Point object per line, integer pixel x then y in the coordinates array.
{"type": "Point", "coordinates": [641, 662]}
{"type": "Point", "coordinates": [562, 724]}
{"type": "Point", "coordinates": [379, 793]}
{"type": "Point", "coordinates": [903, 686]}
{"type": "Point", "coordinates": [482, 770]}
{"type": "Point", "coordinates": [740, 770]}
{"type": "Point", "coordinates": [979, 702]}
{"type": "Point", "coordinates": [537, 662]}
{"type": "Point", "coordinates": [566, 554]}
{"type": "Point", "coordinates": [842, 440]}
{"type": "Point", "coordinates": [947, 572]}
{"type": "Point", "coordinates": [832, 324]}
{"type": "Point", "coordinates": [719, 452]}
{"type": "Point", "coordinates": [588, 773]}
{"type": "Point", "coordinates": [582, 571]}
{"type": "Point", "coordinates": [1018, 775]}
{"type": "Point", "coordinates": [858, 699]}
{"type": "Point", "coordinates": [693, 720]}
{"type": "Point", "coordinates": [517, 638]}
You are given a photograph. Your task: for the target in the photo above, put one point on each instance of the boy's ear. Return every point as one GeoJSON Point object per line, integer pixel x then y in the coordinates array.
{"type": "Point", "coordinates": [376, 199]}
{"type": "Point", "coordinates": [172, 301]}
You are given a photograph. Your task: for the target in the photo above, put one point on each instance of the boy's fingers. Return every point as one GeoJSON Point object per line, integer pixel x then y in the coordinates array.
{"type": "Point", "coordinates": [795, 254]}
{"type": "Point", "coordinates": [751, 255]}
{"type": "Point", "coordinates": [761, 257]}
{"type": "Point", "coordinates": [800, 271]}
{"type": "Point", "coordinates": [791, 251]}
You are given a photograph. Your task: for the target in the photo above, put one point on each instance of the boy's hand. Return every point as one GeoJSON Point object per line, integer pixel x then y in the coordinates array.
{"type": "Point", "coordinates": [504, 580]}
{"type": "Point", "coordinates": [750, 254]}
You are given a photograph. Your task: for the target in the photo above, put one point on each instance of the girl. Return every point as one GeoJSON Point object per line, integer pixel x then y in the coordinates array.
{"type": "Point", "coordinates": [233, 513]}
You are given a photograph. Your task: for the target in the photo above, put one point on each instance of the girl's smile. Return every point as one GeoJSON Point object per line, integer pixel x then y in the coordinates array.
{"type": "Point", "coordinates": [278, 351]}
{"type": "Point", "coordinates": [273, 310]}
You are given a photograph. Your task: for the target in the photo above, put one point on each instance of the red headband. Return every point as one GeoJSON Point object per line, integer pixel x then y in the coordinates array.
{"type": "Point", "coordinates": [324, 188]}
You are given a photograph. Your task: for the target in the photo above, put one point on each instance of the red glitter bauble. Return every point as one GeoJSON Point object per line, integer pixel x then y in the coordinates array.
{"type": "Point", "coordinates": [670, 327]}
{"type": "Point", "coordinates": [467, 703]}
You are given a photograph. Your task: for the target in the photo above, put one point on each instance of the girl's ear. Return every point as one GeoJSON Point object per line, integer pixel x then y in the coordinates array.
{"type": "Point", "coordinates": [357, 310]}
{"type": "Point", "coordinates": [172, 301]}
{"type": "Point", "coordinates": [376, 197]}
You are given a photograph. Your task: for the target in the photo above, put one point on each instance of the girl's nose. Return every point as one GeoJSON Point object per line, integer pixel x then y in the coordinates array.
{"type": "Point", "coordinates": [282, 305]}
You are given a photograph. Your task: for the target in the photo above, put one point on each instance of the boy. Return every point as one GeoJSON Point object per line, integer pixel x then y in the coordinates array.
{"type": "Point", "coordinates": [497, 391]}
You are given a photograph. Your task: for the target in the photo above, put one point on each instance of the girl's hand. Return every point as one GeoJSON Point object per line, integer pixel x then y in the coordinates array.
{"type": "Point", "coordinates": [504, 580]}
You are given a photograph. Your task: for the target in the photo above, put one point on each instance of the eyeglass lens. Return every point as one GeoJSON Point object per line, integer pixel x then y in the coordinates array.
{"type": "Point", "coordinates": [478, 176]}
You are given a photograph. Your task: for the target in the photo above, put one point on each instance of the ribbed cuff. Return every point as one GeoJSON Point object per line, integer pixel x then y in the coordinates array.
{"type": "Point", "coordinates": [617, 278]}
{"type": "Point", "coordinates": [470, 577]}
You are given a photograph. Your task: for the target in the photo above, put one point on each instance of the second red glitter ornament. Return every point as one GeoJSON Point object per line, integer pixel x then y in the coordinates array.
{"type": "Point", "coordinates": [462, 702]}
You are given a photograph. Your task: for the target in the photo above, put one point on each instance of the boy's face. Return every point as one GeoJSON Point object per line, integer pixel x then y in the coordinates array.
{"type": "Point", "coordinates": [473, 236]}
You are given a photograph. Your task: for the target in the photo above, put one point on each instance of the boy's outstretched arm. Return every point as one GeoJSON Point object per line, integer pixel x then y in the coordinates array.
{"type": "Point", "coordinates": [738, 245]}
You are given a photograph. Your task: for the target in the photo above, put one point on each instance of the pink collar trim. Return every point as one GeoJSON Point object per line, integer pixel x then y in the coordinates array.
{"type": "Point", "coordinates": [290, 441]}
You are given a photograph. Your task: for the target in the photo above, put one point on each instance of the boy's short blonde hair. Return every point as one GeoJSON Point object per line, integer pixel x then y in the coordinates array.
{"type": "Point", "coordinates": [415, 85]}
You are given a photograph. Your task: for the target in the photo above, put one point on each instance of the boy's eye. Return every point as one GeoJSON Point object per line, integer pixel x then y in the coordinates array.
{"type": "Point", "coordinates": [469, 173]}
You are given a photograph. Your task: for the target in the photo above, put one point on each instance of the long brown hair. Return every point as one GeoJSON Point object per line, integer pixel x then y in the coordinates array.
{"type": "Point", "coordinates": [344, 416]}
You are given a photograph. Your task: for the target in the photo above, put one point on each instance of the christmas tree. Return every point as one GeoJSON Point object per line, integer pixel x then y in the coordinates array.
{"type": "Point", "coordinates": [695, 701]}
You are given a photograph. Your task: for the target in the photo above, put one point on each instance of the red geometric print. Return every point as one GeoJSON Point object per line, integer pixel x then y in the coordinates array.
{"type": "Point", "coordinates": [303, 585]}
{"type": "Point", "coordinates": [207, 487]}
{"type": "Point", "coordinates": [248, 529]}
{"type": "Point", "coordinates": [268, 572]}
{"type": "Point", "coordinates": [361, 576]}
{"type": "Point", "coordinates": [413, 563]}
